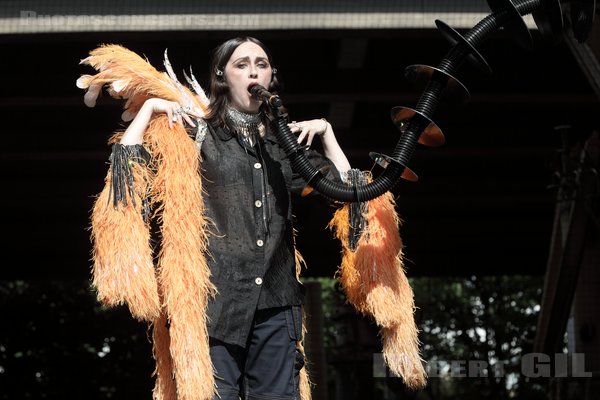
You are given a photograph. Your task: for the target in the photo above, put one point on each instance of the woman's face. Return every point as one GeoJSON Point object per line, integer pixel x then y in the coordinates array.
{"type": "Point", "coordinates": [247, 65]}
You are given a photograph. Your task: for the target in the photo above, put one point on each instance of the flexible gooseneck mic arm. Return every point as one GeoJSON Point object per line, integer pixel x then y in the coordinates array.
{"type": "Point", "coordinates": [416, 125]}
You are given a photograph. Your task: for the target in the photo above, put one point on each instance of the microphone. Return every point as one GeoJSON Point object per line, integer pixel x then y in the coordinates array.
{"type": "Point", "coordinates": [262, 94]}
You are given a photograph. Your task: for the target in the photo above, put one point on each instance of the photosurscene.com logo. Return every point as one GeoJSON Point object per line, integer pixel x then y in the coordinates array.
{"type": "Point", "coordinates": [27, 17]}
{"type": "Point", "coordinates": [532, 365]}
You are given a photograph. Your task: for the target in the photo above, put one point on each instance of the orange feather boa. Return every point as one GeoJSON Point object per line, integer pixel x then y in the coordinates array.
{"type": "Point", "coordinates": [374, 281]}
{"type": "Point", "coordinates": [175, 295]}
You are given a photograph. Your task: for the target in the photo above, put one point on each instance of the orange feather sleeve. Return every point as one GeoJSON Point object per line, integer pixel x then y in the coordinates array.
{"type": "Point", "coordinates": [375, 283]}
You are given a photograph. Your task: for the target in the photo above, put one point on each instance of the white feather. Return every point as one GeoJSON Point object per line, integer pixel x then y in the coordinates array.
{"type": "Point", "coordinates": [83, 82]}
{"type": "Point", "coordinates": [127, 115]}
{"type": "Point", "coordinates": [169, 68]}
{"type": "Point", "coordinates": [91, 95]}
{"type": "Point", "coordinates": [190, 102]}
{"type": "Point", "coordinates": [120, 85]}
{"type": "Point", "coordinates": [196, 86]}
{"type": "Point", "coordinates": [187, 101]}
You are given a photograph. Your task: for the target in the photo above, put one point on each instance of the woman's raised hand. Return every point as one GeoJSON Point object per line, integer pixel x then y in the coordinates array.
{"type": "Point", "coordinates": [307, 130]}
{"type": "Point", "coordinates": [175, 111]}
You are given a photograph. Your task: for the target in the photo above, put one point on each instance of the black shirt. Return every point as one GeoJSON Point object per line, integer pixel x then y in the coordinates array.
{"type": "Point", "coordinates": [251, 242]}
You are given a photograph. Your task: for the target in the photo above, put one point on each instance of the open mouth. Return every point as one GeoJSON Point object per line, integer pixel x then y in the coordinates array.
{"type": "Point", "coordinates": [250, 86]}
{"type": "Point", "coordinates": [253, 94]}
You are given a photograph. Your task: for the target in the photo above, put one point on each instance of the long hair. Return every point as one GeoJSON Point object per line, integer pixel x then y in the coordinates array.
{"type": "Point", "coordinates": [218, 89]}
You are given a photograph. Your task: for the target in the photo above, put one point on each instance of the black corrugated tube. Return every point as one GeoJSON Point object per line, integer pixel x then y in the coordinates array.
{"type": "Point", "coordinates": [528, 6]}
{"type": "Point", "coordinates": [479, 32]}
{"type": "Point", "coordinates": [327, 188]}
{"type": "Point", "coordinates": [409, 139]}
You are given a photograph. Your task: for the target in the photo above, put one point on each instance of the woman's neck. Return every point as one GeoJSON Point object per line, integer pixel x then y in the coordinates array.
{"type": "Point", "coordinates": [247, 126]}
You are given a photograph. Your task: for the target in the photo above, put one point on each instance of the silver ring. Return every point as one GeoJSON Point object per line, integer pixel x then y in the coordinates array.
{"type": "Point", "coordinates": [181, 110]}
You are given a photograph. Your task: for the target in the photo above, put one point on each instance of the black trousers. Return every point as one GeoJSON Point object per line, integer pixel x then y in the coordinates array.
{"type": "Point", "coordinates": [268, 368]}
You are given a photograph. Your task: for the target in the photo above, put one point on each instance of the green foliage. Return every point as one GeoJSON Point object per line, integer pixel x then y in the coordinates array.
{"type": "Point", "coordinates": [57, 342]}
{"type": "Point", "coordinates": [486, 320]}
{"type": "Point", "coordinates": [485, 323]}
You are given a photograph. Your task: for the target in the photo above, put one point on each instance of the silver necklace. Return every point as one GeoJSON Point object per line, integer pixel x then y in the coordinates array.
{"type": "Point", "coordinates": [248, 127]}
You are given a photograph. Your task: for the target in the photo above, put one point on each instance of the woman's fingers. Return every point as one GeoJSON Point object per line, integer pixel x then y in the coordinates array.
{"type": "Point", "coordinates": [196, 112]}
{"type": "Point", "coordinates": [306, 131]}
{"type": "Point", "coordinates": [301, 137]}
{"type": "Point", "coordinates": [175, 112]}
{"type": "Point", "coordinates": [189, 120]}
{"type": "Point", "coordinates": [180, 113]}
{"type": "Point", "coordinates": [303, 132]}
{"type": "Point", "coordinates": [309, 140]}
{"type": "Point", "coordinates": [170, 117]}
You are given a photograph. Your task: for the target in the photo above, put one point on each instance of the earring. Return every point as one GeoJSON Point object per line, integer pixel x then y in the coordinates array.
{"type": "Point", "coordinates": [218, 72]}
{"type": "Point", "coordinates": [274, 70]}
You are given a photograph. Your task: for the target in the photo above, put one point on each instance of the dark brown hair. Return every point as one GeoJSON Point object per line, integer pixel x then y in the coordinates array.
{"type": "Point", "coordinates": [218, 89]}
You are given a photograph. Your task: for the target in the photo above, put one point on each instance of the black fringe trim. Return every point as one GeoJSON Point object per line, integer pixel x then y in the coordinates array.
{"type": "Point", "coordinates": [357, 210]}
{"type": "Point", "coordinates": [121, 160]}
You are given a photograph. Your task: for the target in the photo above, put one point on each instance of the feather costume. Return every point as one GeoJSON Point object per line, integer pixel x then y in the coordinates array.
{"type": "Point", "coordinates": [173, 297]}
{"type": "Point", "coordinates": [372, 276]}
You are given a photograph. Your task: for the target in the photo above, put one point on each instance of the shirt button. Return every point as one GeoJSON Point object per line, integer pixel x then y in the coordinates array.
{"type": "Point", "coordinates": [257, 165]}
{"type": "Point", "coordinates": [259, 243]}
{"type": "Point", "coordinates": [258, 203]}
{"type": "Point", "coordinates": [258, 281]}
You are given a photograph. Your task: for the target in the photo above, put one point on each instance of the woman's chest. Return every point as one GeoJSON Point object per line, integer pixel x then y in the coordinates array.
{"type": "Point", "coordinates": [227, 163]}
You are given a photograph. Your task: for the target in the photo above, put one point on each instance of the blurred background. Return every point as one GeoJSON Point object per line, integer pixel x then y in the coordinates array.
{"type": "Point", "coordinates": [501, 232]}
